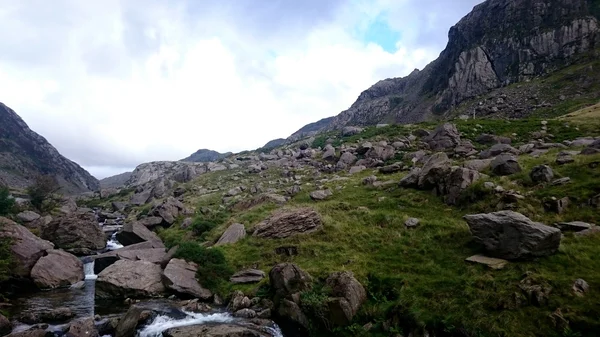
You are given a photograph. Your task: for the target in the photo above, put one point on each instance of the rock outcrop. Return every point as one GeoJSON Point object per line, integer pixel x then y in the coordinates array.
{"type": "Point", "coordinates": [26, 248]}
{"type": "Point", "coordinates": [510, 235]}
{"type": "Point", "coordinates": [284, 224]}
{"type": "Point", "coordinates": [233, 234]}
{"type": "Point", "coordinates": [130, 279]}
{"type": "Point", "coordinates": [180, 276]}
{"type": "Point", "coordinates": [134, 232]}
{"type": "Point", "coordinates": [77, 232]}
{"type": "Point", "coordinates": [25, 154]}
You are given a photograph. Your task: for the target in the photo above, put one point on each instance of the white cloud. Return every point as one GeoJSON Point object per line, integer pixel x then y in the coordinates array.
{"type": "Point", "coordinates": [116, 83]}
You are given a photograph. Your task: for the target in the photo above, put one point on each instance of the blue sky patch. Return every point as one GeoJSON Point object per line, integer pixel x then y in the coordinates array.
{"type": "Point", "coordinates": [379, 32]}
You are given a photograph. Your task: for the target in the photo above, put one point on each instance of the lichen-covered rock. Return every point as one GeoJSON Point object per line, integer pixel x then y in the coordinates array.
{"type": "Point", "coordinates": [288, 223]}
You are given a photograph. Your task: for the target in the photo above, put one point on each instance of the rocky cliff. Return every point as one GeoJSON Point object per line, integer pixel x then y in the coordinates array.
{"type": "Point", "coordinates": [205, 155]}
{"type": "Point", "coordinates": [499, 43]}
{"type": "Point", "coordinates": [115, 181]}
{"type": "Point", "coordinates": [24, 155]}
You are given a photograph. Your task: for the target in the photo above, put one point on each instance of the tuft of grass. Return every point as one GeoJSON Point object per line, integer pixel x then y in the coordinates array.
{"type": "Point", "coordinates": [213, 269]}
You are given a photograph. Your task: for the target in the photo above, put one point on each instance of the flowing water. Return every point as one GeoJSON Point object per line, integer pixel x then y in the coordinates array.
{"type": "Point", "coordinates": [88, 271]}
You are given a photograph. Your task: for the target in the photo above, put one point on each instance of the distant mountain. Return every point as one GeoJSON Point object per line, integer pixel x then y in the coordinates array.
{"type": "Point", "coordinates": [205, 155]}
{"type": "Point", "coordinates": [311, 129]}
{"type": "Point", "coordinates": [499, 43]}
{"type": "Point", "coordinates": [24, 155]}
{"type": "Point", "coordinates": [115, 181]}
{"type": "Point", "coordinates": [274, 143]}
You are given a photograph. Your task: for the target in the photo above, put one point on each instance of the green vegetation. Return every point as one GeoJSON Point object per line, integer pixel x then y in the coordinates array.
{"type": "Point", "coordinates": [41, 192]}
{"type": "Point", "coordinates": [6, 202]}
{"type": "Point", "coordinates": [213, 269]}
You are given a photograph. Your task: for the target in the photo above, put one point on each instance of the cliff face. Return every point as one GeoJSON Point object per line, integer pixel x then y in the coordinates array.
{"type": "Point", "coordinates": [500, 42]}
{"type": "Point", "coordinates": [24, 155]}
{"type": "Point", "coordinates": [205, 155]}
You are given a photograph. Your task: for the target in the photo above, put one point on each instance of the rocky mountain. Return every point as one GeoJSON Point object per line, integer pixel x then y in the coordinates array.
{"type": "Point", "coordinates": [116, 180]}
{"type": "Point", "coordinates": [25, 154]}
{"type": "Point", "coordinates": [274, 143]}
{"type": "Point", "coordinates": [499, 43]}
{"type": "Point", "coordinates": [312, 128]}
{"type": "Point", "coordinates": [205, 155]}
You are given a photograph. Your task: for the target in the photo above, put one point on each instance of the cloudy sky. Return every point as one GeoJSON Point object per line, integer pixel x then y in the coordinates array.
{"type": "Point", "coordinates": [114, 83]}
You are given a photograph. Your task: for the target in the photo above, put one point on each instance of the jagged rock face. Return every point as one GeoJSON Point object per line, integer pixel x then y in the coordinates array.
{"type": "Point", "coordinates": [24, 155]}
{"type": "Point", "coordinates": [499, 42]}
{"type": "Point", "coordinates": [170, 170]}
{"type": "Point", "coordinates": [205, 155]}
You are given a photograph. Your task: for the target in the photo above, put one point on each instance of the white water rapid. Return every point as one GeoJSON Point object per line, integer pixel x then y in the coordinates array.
{"type": "Point", "coordinates": [112, 243]}
{"type": "Point", "coordinates": [88, 271]}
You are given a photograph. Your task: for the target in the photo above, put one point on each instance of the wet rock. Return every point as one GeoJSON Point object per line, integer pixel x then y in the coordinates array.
{"type": "Point", "coordinates": [580, 287]}
{"type": "Point", "coordinates": [245, 313]}
{"type": "Point", "coordinates": [320, 194]}
{"type": "Point", "coordinates": [348, 296]}
{"type": "Point", "coordinates": [55, 315]}
{"type": "Point", "coordinates": [233, 234]}
{"type": "Point", "coordinates": [134, 232]}
{"type": "Point", "coordinates": [541, 174]}
{"type": "Point", "coordinates": [505, 164]}
{"type": "Point", "coordinates": [26, 248]}
{"type": "Point", "coordinates": [445, 137]}
{"type": "Point", "coordinates": [288, 223]}
{"type": "Point", "coordinates": [5, 325]}
{"type": "Point", "coordinates": [130, 279]}
{"type": "Point", "coordinates": [83, 328]}
{"type": "Point", "coordinates": [28, 216]}
{"type": "Point", "coordinates": [76, 232]}
{"type": "Point", "coordinates": [239, 302]}
{"type": "Point", "coordinates": [510, 235]}
{"type": "Point", "coordinates": [248, 276]}
{"type": "Point", "coordinates": [128, 324]}
{"type": "Point", "coordinates": [219, 330]}
{"type": "Point", "coordinates": [57, 269]}
{"type": "Point", "coordinates": [180, 276]}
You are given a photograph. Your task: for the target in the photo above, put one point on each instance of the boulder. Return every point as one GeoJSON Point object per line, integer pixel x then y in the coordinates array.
{"type": "Point", "coordinates": [456, 182]}
{"type": "Point", "coordinates": [329, 153]}
{"type": "Point", "coordinates": [245, 313]}
{"type": "Point", "coordinates": [287, 279]}
{"type": "Point", "coordinates": [478, 164]}
{"type": "Point", "coordinates": [574, 226]}
{"type": "Point", "coordinates": [346, 159]}
{"type": "Point", "coordinates": [347, 297]}
{"type": "Point", "coordinates": [83, 328]}
{"type": "Point", "coordinates": [412, 222]}
{"type": "Point", "coordinates": [5, 326]}
{"type": "Point", "coordinates": [592, 148]}
{"type": "Point", "coordinates": [118, 206]}
{"type": "Point", "coordinates": [218, 330]}
{"type": "Point", "coordinates": [57, 269]}
{"type": "Point", "coordinates": [505, 164]}
{"type": "Point", "coordinates": [247, 276]}
{"type": "Point", "coordinates": [411, 179]}
{"type": "Point", "coordinates": [168, 210]}
{"type": "Point", "coordinates": [288, 223]}
{"type": "Point", "coordinates": [55, 315]}
{"type": "Point", "coordinates": [492, 139]}
{"type": "Point", "coordinates": [381, 152]}
{"type": "Point", "coordinates": [33, 332]}
{"type": "Point", "coordinates": [28, 216]}
{"type": "Point", "coordinates": [510, 235]}
{"type": "Point", "coordinates": [141, 198]}
{"type": "Point", "coordinates": [445, 137]}
{"type": "Point", "coordinates": [180, 276]}
{"type": "Point", "coordinates": [498, 149]}
{"type": "Point", "coordinates": [233, 234]}
{"type": "Point", "coordinates": [76, 232]}
{"type": "Point", "coordinates": [154, 255]}
{"type": "Point", "coordinates": [580, 287]}
{"type": "Point", "coordinates": [130, 279]}
{"type": "Point", "coordinates": [357, 169]}
{"type": "Point", "coordinates": [134, 232]}
{"type": "Point", "coordinates": [348, 131]}
{"type": "Point", "coordinates": [464, 149]}
{"type": "Point", "coordinates": [26, 248]}
{"type": "Point", "coordinates": [541, 174]}
{"type": "Point", "coordinates": [320, 194]}
{"type": "Point", "coordinates": [389, 169]}
{"type": "Point", "coordinates": [434, 171]}
{"type": "Point", "coordinates": [151, 221]}
{"type": "Point", "coordinates": [291, 319]}
{"type": "Point", "coordinates": [239, 301]}
{"type": "Point", "coordinates": [128, 323]}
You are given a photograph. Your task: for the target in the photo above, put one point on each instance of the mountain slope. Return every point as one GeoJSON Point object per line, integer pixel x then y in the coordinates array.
{"type": "Point", "coordinates": [206, 155]}
{"type": "Point", "coordinates": [25, 154]}
{"type": "Point", "coordinates": [499, 43]}
{"type": "Point", "coordinates": [115, 181]}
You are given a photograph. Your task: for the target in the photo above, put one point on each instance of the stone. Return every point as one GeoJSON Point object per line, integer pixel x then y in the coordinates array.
{"type": "Point", "coordinates": [287, 279]}
{"type": "Point", "coordinates": [54, 315]}
{"type": "Point", "coordinates": [76, 232]}
{"type": "Point", "coordinates": [492, 139]}
{"type": "Point", "coordinates": [411, 179]}
{"type": "Point", "coordinates": [574, 226]}
{"type": "Point", "coordinates": [389, 169]}
{"type": "Point", "coordinates": [134, 232]}
{"type": "Point", "coordinates": [491, 262]}
{"type": "Point", "coordinates": [455, 183]}
{"type": "Point", "coordinates": [245, 313]}
{"type": "Point", "coordinates": [286, 223]}
{"type": "Point", "coordinates": [150, 221]}
{"type": "Point", "coordinates": [580, 287]}
{"type": "Point", "coordinates": [239, 301]}
{"type": "Point", "coordinates": [348, 295]}
{"type": "Point", "coordinates": [5, 326]}
{"type": "Point", "coordinates": [218, 330]}
{"type": "Point", "coordinates": [247, 276]}
{"type": "Point", "coordinates": [357, 169]}
{"type": "Point", "coordinates": [130, 279]}
{"type": "Point", "coordinates": [329, 153]}
{"type": "Point", "coordinates": [564, 158]}
{"type": "Point", "coordinates": [118, 206]}
{"type": "Point", "coordinates": [464, 149]}
{"type": "Point", "coordinates": [510, 235]}
{"type": "Point", "coordinates": [498, 149]}
{"type": "Point", "coordinates": [57, 269]}
{"type": "Point", "coordinates": [411, 222]}
{"type": "Point", "coordinates": [556, 205]}
{"type": "Point", "coordinates": [381, 152]}
{"type": "Point", "coordinates": [141, 198]}
{"type": "Point", "coordinates": [346, 159]}
{"type": "Point", "coordinates": [169, 210]}
{"type": "Point", "coordinates": [592, 148]}
{"type": "Point", "coordinates": [541, 174]}
{"type": "Point", "coordinates": [320, 194]}
{"type": "Point", "coordinates": [434, 171]}
{"type": "Point", "coordinates": [234, 191]}
{"type": "Point", "coordinates": [478, 164]}
{"type": "Point", "coordinates": [233, 234]}
{"type": "Point", "coordinates": [291, 319]}
{"type": "Point", "coordinates": [505, 164]}
{"type": "Point", "coordinates": [445, 137]}
{"type": "Point", "coordinates": [369, 181]}
{"type": "Point", "coordinates": [128, 323]}
{"type": "Point", "coordinates": [84, 327]}
{"type": "Point", "coordinates": [28, 216]}
{"type": "Point", "coordinates": [154, 255]}
{"type": "Point", "coordinates": [351, 131]}
{"type": "Point", "coordinates": [25, 248]}
{"type": "Point", "coordinates": [180, 276]}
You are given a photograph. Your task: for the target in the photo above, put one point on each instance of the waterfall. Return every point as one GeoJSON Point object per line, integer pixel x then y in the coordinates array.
{"type": "Point", "coordinates": [113, 243]}
{"type": "Point", "coordinates": [88, 270]}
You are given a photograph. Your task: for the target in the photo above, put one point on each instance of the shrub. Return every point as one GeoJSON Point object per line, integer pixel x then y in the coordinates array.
{"type": "Point", "coordinates": [6, 202]}
{"type": "Point", "coordinates": [6, 260]}
{"type": "Point", "coordinates": [213, 269]}
{"type": "Point", "coordinates": [41, 191]}
{"type": "Point", "coordinates": [201, 226]}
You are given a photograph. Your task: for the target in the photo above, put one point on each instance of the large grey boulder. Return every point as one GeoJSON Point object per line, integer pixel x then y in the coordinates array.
{"type": "Point", "coordinates": [347, 297]}
{"type": "Point", "coordinates": [57, 269]}
{"type": "Point", "coordinates": [180, 276]}
{"type": "Point", "coordinates": [83, 327]}
{"type": "Point", "coordinates": [233, 234]}
{"type": "Point", "coordinates": [288, 223]}
{"type": "Point", "coordinates": [25, 248]}
{"type": "Point", "coordinates": [28, 216]}
{"type": "Point", "coordinates": [478, 164]}
{"type": "Point", "coordinates": [351, 131]}
{"type": "Point", "coordinates": [134, 232]}
{"type": "Point", "coordinates": [456, 182]}
{"type": "Point", "coordinates": [130, 279]}
{"type": "Point", "coordinates": [128, 323]}
{"type": "Point", "coordinates": [433, 172]}
{"type": "Point", "coordinates": [5, 326]}
{"type": "Point", "coordinates": [498, 149]}
{"type": "Point", "coordinates": [319, 195]}
{"type": "Point", "coordinates": [445, 137]}
{"type": "Point", "coordinates": [77, 232]}
{"type": "Point", "coordinates": [287, 279]}
{"type": "Point", "coordinates": [510, 235]}
{"type": "Point", "coordinates": [541, 174]}
{"type": "Point", "coordinates": [154, 255]}
{"type": "Point", "coordinates": [505, 165]}
{"type": "Point", "coordinates": [168, 210]}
